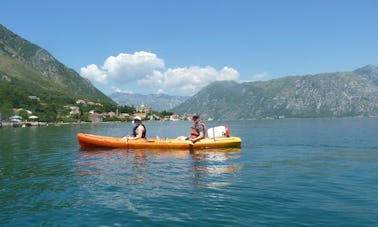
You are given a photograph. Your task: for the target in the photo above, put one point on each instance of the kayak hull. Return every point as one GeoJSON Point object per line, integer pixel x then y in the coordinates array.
{"type": "Point", "coordinates": [90, 140]}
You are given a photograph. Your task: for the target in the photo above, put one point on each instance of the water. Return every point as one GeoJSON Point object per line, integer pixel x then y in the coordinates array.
{"type": "Point", "coordinates": [289, 172]}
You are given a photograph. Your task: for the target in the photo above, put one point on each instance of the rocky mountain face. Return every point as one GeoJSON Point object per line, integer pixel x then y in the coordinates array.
{"type": "Point", "coordinates": [157, 102]}
{"type": "Point", "coordinates": [30, 69]}
{"type": "Point", "coordinates": [339, 94]}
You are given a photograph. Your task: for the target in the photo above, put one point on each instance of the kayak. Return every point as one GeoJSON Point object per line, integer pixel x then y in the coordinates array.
{"type": "Point", "coordinates": [90, 140]}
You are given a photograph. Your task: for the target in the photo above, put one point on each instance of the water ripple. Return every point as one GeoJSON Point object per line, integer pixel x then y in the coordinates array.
{"type": "Point", "coordinates": [288, 172]}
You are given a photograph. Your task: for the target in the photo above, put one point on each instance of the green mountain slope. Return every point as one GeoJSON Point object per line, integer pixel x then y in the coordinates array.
{"type": "Point", "coordinates": [338, 94]}
{"type": "Point", "coordinates": [28, 70]}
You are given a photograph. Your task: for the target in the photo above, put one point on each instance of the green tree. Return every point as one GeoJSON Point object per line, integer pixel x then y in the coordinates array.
{"type": "Point", "coordinates": [24, 114]}
{"type": "Point", "coordinates": [6, 109]}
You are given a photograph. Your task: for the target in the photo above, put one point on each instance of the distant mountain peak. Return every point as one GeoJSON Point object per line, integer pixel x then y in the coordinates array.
{"type": "Point", "coordinates": [337, 94]}
{"type": "Point", "coordinates": [368, 71]}
{"type": "Point", "coordinates": [157, 102]}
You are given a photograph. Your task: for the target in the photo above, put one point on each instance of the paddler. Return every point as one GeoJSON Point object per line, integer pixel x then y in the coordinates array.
{"type": "Point", "coordinates": [139, 130]}
{"type": "Point", "coordinates": [198, 130]}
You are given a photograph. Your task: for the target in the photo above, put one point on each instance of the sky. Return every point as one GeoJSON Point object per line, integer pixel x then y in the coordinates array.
{"type": "Point", "coordinates": [178, 47]}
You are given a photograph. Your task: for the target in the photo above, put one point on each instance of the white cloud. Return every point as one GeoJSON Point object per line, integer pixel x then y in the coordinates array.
{"type": "Point", "coordinates": [127, 67]}
{"type": "Point", "coordinates": [147, 70]}
{"type": "Point", "coordinates": [124, 68]}
{"type": "Point", "coordinates": [118, 90]}
{"type": "Point", "coordinates": [188, 80]}
{"type": "Point", "coordinates": [93, 73]}
{"type": "Point", "coordinates": [259, 77]}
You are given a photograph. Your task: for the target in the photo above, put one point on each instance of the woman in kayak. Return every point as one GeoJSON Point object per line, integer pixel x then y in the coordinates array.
{"type": "Point", "coordinates": [139, 131]}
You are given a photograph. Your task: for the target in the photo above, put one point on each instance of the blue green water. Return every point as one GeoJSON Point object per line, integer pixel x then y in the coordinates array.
{"type": "Point", "coordinates": [289, 172]}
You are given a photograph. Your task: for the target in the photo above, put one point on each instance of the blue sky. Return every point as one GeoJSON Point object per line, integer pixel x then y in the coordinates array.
{"type": "Point", "coordinates": [178, 47]}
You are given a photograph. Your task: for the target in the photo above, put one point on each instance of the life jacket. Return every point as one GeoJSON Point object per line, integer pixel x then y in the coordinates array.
{"type": "Point", "coordinates": [135, 133]}
{"type": "Point", "coordinates": [194, 132]}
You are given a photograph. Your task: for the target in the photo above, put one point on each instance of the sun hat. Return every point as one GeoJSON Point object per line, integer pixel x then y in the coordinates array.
{"type": "Point", "coordinates": [137, 118]}
{"type": "Point", "coordinates": [195, 115]}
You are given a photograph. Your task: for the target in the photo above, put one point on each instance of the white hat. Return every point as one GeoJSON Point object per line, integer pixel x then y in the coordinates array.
{"type": "Point", "coordinates": [137, 118]}
{"type": "Point", "coordinates": [195, 115]}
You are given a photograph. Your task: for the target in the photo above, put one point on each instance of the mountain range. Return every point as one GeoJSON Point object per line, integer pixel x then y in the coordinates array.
{"type": "Point", "coordinates": [27, 70]}
{"type": "Point", "coordinates": [338, 94]}
{"type": "Point", "coordinates": [158, 102]}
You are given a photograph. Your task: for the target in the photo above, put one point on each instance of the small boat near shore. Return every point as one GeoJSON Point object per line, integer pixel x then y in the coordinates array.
{"type": "Point", "coordinates": [93, 141]}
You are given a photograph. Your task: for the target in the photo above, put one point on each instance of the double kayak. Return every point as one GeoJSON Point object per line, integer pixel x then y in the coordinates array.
{"type": "Point", "coordinates": [91, 141]}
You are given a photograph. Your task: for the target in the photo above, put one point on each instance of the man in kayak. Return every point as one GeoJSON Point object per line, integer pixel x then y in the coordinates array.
{"type": "Point", "coordinates": [198, 129]}
{"type": "Point", "coordinates": [139, 131]}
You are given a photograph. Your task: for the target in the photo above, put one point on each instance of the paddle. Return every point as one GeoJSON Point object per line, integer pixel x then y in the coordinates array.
{"type": "Point", "coordinates": [126, 139]}
{"type": "Point", "coordinates": [191, 144]}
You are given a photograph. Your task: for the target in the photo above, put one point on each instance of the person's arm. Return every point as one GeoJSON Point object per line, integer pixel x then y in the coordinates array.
{"type": "Point", "coordinates": [199, 137]}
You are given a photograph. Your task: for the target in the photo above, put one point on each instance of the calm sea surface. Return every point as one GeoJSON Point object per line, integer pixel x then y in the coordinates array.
{"type": "Point", "coordinates": [289, 172]}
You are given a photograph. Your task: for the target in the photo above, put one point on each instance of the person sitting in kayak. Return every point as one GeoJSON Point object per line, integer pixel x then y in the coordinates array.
{"type": "Point", "coordinates": [198, 129]}
{"type": "Point", "coordinates": [139, 131]}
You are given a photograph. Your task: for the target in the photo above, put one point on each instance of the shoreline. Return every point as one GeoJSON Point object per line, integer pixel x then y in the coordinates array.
{"type": "Point", "coordinates": [27, 124]}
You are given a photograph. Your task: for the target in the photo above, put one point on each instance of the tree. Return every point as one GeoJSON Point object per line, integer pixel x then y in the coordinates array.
{"type": "Point", "coordinates": [6, 109]}
{"type": "Point", "coordinates": [24, 114]}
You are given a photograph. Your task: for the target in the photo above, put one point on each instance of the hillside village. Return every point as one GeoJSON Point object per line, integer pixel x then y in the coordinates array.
{"type": "Point", "coordinates": [88, 111]}
{"type": "Point", "coordinates": [143, 111]}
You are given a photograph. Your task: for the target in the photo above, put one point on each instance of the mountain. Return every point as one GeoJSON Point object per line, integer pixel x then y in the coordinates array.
{"type": "Point", "coordinates": [157, 102]}
{"type": "Point", "coordinates": [28, 70]}
{"type": "Point", "coordinates": [339, 94]}
{"type": "Point", "coordinates": [369, 71]}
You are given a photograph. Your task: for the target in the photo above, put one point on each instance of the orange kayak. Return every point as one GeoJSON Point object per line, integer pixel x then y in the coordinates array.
{"type": "Point", "coordinates": [89, 140]}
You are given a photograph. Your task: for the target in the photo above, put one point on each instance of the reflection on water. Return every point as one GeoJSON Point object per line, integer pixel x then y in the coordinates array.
{"type": "Point", "coordinates": [213, 162]}
{"type": "Point", "coordinates": [143, 181]}
{"type": "Point", "coordinates": [140, 164]}
{"type": "Point", "coordinates": [209, 165]}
